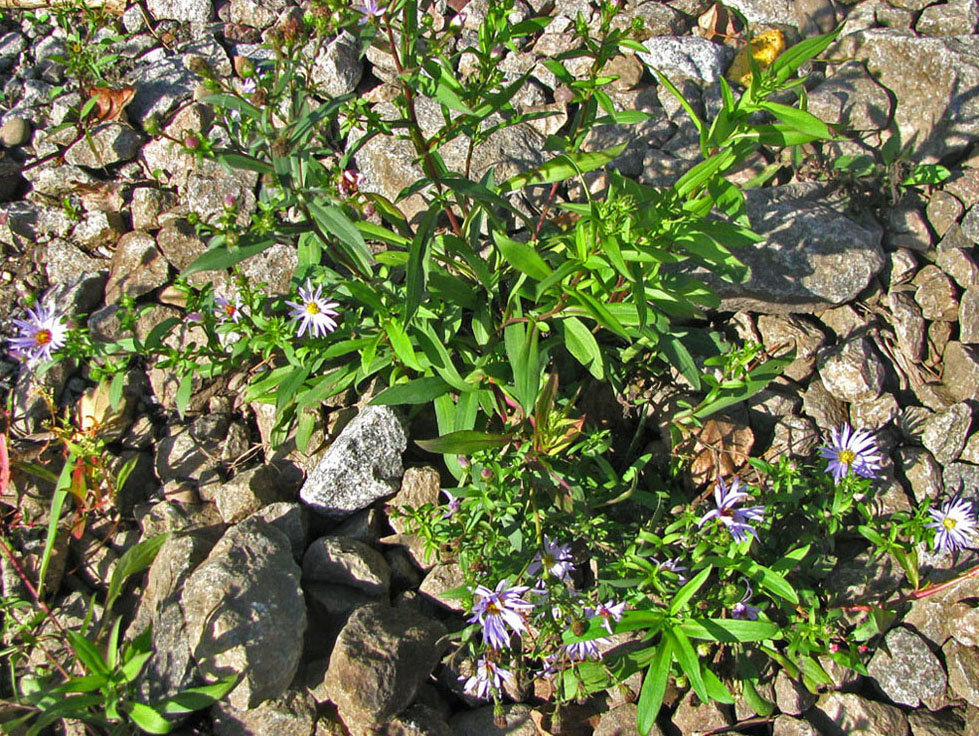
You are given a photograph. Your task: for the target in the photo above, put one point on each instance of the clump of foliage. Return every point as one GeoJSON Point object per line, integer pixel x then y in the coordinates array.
{"type": "Point", "coordinates": [494, 309]}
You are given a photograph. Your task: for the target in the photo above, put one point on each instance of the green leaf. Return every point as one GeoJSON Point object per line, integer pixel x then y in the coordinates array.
{"type": "Point", "coordinates": [87, 653]}
{"type": "Point", "coordinates": [417, 391]}
{"type": "Point", "coordinates": [135, 559]}
{"type": "Point", "coordinates": [148, 719]}
{"type": "Point", "coordinates": [332, 220]}
{"type": "Point", "coordinates": [401, 344]}
{"type": "Point", "coordinates": [522, 257]}
{"type": "Point", "coordinates": [218, 259]}
{"type": "Point", "coordinates": [563, 167]}
{"type": "Point", "coordinates": [729, 630]}
{"type": "Point", "coordinates": [793, 58]}
{"type": "Point", "coordinates": [464, 442]}
{"type": "Point", "coordinates": [688, 590]}
{"type": "Point", "coordinates": [184, 389]}
{"type": "Point", "coordinates": [520, 342]}
{"type": "Point", "coordinates": [654, 686]}
{"type": "Point", "coordinates": [790, 559]}
{"type": "Point", "coordinates": [197, 698]}
{"type": "Point", "coordinates": [680, 357]}
{"type": "Point", "coordinates": [716, 689]}
{"type": "Point", "coordinates": [687, 658]}
{"type": "Point", "coordinates": [416, 273]}
{"type": "Point", "coordinates": [54, 517]}
{"type": "Point", "coordinates": [581, 343]}
{"type": "Point", "coordinates": [238, 160]}
{"type": "Point", "coordinates": [802, 121]}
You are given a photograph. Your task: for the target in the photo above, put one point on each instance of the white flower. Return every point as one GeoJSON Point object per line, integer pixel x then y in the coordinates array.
{"type": "Point", "coordinates": [314, 313]}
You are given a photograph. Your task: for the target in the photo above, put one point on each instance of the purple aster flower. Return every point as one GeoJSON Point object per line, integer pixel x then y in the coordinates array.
{"type": "Point", "coordinates": [554, 560]}
{"type": "Point", "coordinates": [452, 508]}
{"type": "Point", "coordinates": [582, 650]}
{"type": "Point", "coordinates": [955, 523]}
{"type": "Point", "coordinates": [736, 520]}
{"type": "Point", "coordinates": [851, 450]}
{"type": "Point", "coordinates": [672, 565]}
{"type": "Point", "coordinates": [495, 610]}
{"type": "Point", "coordinates": [249, 86]}
{"type": "Point", "coordinates": [608, 611]}
{"type": "Point", "coordinates": [39, 336]}
{"type": "Point", "coordinates": [315, 314]}
{"type": "Point", "coordinates": [226, 309]}
{"type": "Point", "coordinates": [370, 9]}
{"type": "Point", "coordinates": [744, 610]}
{"type": "Point", "coordinates": [489, 677]}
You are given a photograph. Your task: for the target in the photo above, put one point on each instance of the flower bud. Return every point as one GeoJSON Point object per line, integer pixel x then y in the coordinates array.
{"type": "Point", "coordinates": [152, 125]}
{"type": "Point", "coordinates": [244, 67]}
{"type": "Point", "coordinates": [192, 142]}
{"type": "Point", "coordinates": [199, 66]}
{"type": "Point", "coordinates": [578, 627]}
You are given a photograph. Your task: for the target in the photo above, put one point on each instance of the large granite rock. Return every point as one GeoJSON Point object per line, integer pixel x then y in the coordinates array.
{"type": "Point", "coordinates": [361, 466]}
{"type": "Point", "coordinates": [245, 613]}
{"type": "Point", "coordinates": [906, 671]}
{"type": "Point", "coordinates": [812, 257]}
{"type": "Point", "coordinates": [934, 81]}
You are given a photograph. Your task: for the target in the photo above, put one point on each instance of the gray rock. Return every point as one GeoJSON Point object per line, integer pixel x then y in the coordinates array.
{"type": "Point", "coordinates": [960, 371]}
{"type": "Point", "coordinates": [957, 263]}
{"type": "Point", "coordinates": [771, 404]}
{"type": "Point", "coordinates": [946, 722]}
{"type": "Point", "coordinates": [290, 518]}
{"type": "Point", "coordinates": [850, 98]}
{"type": "Point", "coordinates": [442, 578]}
{"type": "Point", "coordinates": [945, 432]}
{"type": "Point", "coordinates": [255, 14]}
{"type": "Point", "coordinates": [908, 323]}
{"type": "Point", "coordinates": [337, 69]}
{"type": "Point", "coordinates": [795, 437]}
{"type": "Point", "coordinates": [687, 57]}
{"type": "Point", "coordinates": [781, 333]}
{"type": "Point", "coordinates": [825, 409]}
{"type": "Point", "coordinates": [903, 265]}
{"type": "Point", "coordinates": [361, 466]}
{"type": "Point", "coordinates": [932, 77]}
{"type": "Point", "coordinates": [63, 261]}
{"type": "Point", "coordinates": [481, 722]}
{"type": "Point", "coordinates": [969, 316]}
{"type": "Point", "coordinates": [419, 486]}
{"type": "Point", "coordinates": [923, 474]}
{"type": "Point", "coordinates": [245, 612]}
{"type": "Point", "coordinates": [862, 577]}
{"type": "Point", "coordinates": [943, 211]}
{"type": "Point", "coordinates": [211, 185]}
{"type": "Point", "coordinates": [936, 294]}
{"type": "Point", "coordinates": [954, 18]}
{"type": "Point", "coordinates": [171, 667]}
{"type": "Point", "coordinates": [970, 224]}
{"type": "Point", "coordinates": [812, 256]}
{"type": "Point", "coordinates": [963, 671]}
{"type": "Point", "coordinates": [906, 671]}
{"type": "Point", "coordinates": [963, 624]}
{"type": "Point", "coordinates": [970, 453]}
{"type": "Point", "coordinates": [621, 721]}
{"type": "Point", "coordinates": [906, 226]}
{"type": "Point", "coordinates": [852, 370]}
{"type": "Point", "coordinates": [342, 561]}
{"type": "Point", "coordinates": [15, 131]}
{"type": "Point", "coordinates": [106, 145]}
{"type": "Point", "coordinates": [148, 204]}
{"type": "Point", "coordinates": [789, 726]}
{"type": "Point", "coordinates": [873, 413]}
{"type": "Point", "coordinates": [181, 457]}
{"type": "Point", "coordinates": [850, 713]}
{"type": "Point", "coordinates": [381, 658]}
{"type": "Point", "coordinates": [418, 720]}
{"type": "Point", "coordinates": [694, 717]}
{"type": "Point", "coordinates": [12, 45]}
{"type": "Point", "coordinates": [196, 11]}
{"type": "Point", "coordinates": [367, 526]}
{"type": "Point", "coordinates": [791, 695]}
{"type": "Point", "coordinates": [246, 493]}
{"type": "Point", "coordinates": [137, 267]}
{"type": "Point", "coordinates": [293, 713]}
{"type": "Point", "coordinates": [961, 478]}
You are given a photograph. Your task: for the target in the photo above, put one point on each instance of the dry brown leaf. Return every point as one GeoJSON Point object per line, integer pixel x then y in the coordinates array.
{"type": "Point", "coordinates": [718, 22]}
{"type": "Point", "coordinates": [721, 448]}
{"type": "Point", "coordinates": [111, 103]}
{"type": "Point", "coordinates": [764, 49]}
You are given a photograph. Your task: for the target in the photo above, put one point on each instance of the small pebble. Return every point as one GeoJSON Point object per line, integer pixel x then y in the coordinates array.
{"type": "Point", "coordinates": [15, 132]}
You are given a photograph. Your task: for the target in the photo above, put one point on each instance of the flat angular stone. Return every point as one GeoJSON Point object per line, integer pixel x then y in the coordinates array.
{"type": "Point", "coordinates": [957, 263]}
{"type": "Point", "coordinates": [137, 267]}
{"type": "Point", "coordinates": [852, 370]}
{"type": "Point", "coordinates": [936, 294]}
{"type": "Point", "coordinates": [969, 316]}
{"type": "Point", "coordinates": [921, 471]}
{"type": "Point", "coordinates": [343, 561]}
{"type": "Point", "coordinates": [784, 333]}
{"type": "Point", "coordinates": [850, 713]}
{"type": "Point", "coordinates": [945, 432]}
{"type": "Point", "coordinates": [963, 670]}
{"type": "Point", "coordinates": [362, 465]}
{"type": "Point", "coordinates": [943, 211]}
{"type": "Point", "coordinates": [909, 325]}
{"type": "Point", "coordinates": [906, 671]}
{"type": "Point", "coordinates": [686, 57]}
{"type": "Point", "coordinates": [960, 371]}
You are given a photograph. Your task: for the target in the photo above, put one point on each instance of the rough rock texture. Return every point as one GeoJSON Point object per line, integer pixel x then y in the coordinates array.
{"type": "Point", "coordinates": [361, 466]}
{"type": "Point", "coordinates": [933, 79]}
{"type": "Point", "coordinates": [291, 714]}
{"type": "Point", "coordinates": [812, 256]}
{"type": "Point", "coordinates": [480, 722]}
{"type": "Point", "coordinates": [847, 713]}
{"type": "Point", "coordinates": [685, 58]}
{"type": "Point", "coordinates": [342, 561]}
{"type": "Point", "coordinates": [963, 670]}
{"type": "Point", "coordinates": [906, 671]}
{"type": "Point", "coordinates": [381, 658]}
{"type": "Point", "coordinates": [245, 612]}
{"type": "Point", "coordinates": [852, 371]}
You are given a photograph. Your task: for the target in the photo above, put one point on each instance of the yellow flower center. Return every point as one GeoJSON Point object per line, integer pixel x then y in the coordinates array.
{"type": "Point", "coordinates": [949, 523]}
{"type": "Point", "coordinates": [548, 560]}
{"type": "Point", "coordinates": [493, 609]}
{"type": "Point", "coordinates": [230, 309]}
{"type": "Point", "coordinates": [312, 308]}
{"type": "Point", "coordinates": [847, 457]}
{"type": "Point", "coordinates": [42, 337]}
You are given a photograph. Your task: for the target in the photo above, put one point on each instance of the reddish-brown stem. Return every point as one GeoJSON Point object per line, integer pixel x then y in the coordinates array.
{"type": "Point", "coordinates": [917, 594]}
{"type": "Point", "coordinates": [547, 208]}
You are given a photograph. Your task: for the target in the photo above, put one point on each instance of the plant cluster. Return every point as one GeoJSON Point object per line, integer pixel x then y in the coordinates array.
{"type": "Point", "coordinates": [494, 309]}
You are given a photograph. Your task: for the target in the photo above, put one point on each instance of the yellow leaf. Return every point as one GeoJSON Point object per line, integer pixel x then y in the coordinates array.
{"type": "Point", "coordinates": [764, 49]}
